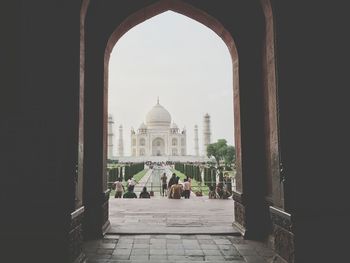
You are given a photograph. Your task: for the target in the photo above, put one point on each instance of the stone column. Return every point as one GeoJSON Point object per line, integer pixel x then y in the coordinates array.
{"type": "Point", "coordinates": [121, 142]}
{"type": "Point", "coordinates": [206, 133]}
{"type": "Point", "coordinates": [196, 147]}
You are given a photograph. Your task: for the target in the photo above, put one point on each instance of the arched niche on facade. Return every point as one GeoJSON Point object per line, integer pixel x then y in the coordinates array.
{"type": "Point", "coordinates": [158, 147]}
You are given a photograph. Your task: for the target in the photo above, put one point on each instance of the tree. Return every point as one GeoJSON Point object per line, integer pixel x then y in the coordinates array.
{"type": "Point", "coordinates": [230, 155]}
{"type": "Point", "coordinates": [221, 152]}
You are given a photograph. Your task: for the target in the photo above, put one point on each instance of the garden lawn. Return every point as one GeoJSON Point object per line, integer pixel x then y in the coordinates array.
{"type": "Point", "coordinates": [140, 174]}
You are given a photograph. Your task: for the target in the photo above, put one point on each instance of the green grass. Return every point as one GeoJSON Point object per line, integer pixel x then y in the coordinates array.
{"type": "Point", "coordinates": [137, 178]}
{"type": "Point", "coordinates": [140, 174]}
{"type": "Point", "coordinates": [194, 184]}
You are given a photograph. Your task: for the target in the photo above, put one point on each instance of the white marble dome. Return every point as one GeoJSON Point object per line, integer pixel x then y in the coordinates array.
{"type": "Point", "coordinates": [158, 116]}
{"type": "Point", "coordinates": [143, 126]}
{"type": "Point", "coordinates": [158, 136]}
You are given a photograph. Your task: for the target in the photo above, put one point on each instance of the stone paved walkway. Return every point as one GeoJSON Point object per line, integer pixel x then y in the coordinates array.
{"type": "Point", "coordinates": [143, 182]}
{"type": "Point", "coordinates": [176, 248]}
{"type": "Point", "coordinates": [160, 215]}
{"type": "Point", "coordinates": [167, 230]}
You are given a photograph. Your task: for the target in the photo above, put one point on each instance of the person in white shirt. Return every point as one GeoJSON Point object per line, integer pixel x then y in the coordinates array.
{"type": "Point", "coordinates": [132, 183]}
{"type": "Point", "coordinates": [189, 181]}
{"type": "Point", "coordinates": [119, 188]}
{"type": "Point", "coordinates": [187, 188]}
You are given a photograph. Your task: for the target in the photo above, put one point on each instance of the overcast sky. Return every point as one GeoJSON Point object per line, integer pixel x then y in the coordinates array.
{"type": "Point", "coordinates": [184, 63]}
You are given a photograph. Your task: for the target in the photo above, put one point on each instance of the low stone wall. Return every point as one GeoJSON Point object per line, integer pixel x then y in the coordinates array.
{"type": "Point", "coordinates": [282, 235]}
{"type": "Point", "coordinates": [239, 211]}
{"type": "Point", "coordinates": [105, 211]}
{"type": "Point", "coordinates": [76, 236]}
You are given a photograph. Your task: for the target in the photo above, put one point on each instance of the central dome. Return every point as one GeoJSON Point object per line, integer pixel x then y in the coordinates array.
{"type": "Point", "coordinates": [158, 116]}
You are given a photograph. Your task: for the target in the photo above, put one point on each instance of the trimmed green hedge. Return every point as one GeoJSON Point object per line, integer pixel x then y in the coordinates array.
{"type": "Point", "coordinates": [132, 169]}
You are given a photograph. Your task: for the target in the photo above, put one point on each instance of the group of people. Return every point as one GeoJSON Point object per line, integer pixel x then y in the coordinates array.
{"type": "Point", "coordinates": [173, 189]}
{"type": "Point", "coordinates": [223, 190]}
{"type": "Point", "coordinates": [119, 189]}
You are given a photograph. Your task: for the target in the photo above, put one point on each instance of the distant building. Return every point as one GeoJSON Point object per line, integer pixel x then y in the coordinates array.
{"type": "Point", "coordinates": [158, 136]}
{"type": "Point", "coordinates": [121, 142]}
{"type": "Point", "coordinates": [196, 144]}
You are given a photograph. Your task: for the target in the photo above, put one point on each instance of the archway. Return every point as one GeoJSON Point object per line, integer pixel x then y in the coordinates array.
{"type": "Point", "coordinates": [250, 123]}
{"type": "Point", "coordinates": [213, 24]}
{"type": "Point", "coordinates": [158, 147]}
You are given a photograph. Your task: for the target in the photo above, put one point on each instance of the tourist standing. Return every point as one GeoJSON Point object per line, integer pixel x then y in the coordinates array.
{"type": "Point", "coordinates": [186, 188]}
{"type": "Point", "coordinates": [172, 180]}
{"type": "Point", "coordinates": [132, 183]}
{"type": "Point", "coordinates": [189, 181]}
{"type": "Point", "coordinates": [119, 188]}
{"type": "Point", "coordinates": [164, 179]}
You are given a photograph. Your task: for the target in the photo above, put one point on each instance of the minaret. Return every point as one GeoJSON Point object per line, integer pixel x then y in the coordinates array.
{"type": "Point", "coordinates": [110, 137]}
{"type": "Point", "coordinates": [120, 142]}
{"type": "Point", "coordinates": [196, 147]}
{"type": "Point", "coordinates": [206, 133]}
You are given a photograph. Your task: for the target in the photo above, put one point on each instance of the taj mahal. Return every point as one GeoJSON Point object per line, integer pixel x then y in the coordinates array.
{"type": "Point", "coordinates": [158, 139]}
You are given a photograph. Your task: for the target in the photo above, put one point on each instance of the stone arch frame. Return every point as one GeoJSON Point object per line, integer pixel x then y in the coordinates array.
{"type": "Point", "coordinates": [142, 151]}
{"type": "Point", "coordinates": [174, 151]}
{"type": "Point", "coordinates": [245, 184]}
{"type": "Point", "coordinates": [159, 143]}
{"type": "Point", "coordinates": [142, 141]}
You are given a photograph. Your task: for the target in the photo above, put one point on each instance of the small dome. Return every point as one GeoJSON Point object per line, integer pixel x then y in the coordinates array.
{"type": "Point", "coordinates": [158, 115]}
{"type": "Point", "coordinates": [174, 126]}
{"type": "Point", "coordinates": [143, 126]}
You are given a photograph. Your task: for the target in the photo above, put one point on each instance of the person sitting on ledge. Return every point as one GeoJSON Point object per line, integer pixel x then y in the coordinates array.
{"type": "Point", "coordinates": [176, 189]}
{"type": "Point", "coordinates": [212, 193]}
{"type": "Point", "coordinates": [144, 193]}
{"type": "Point", "coordinates": [130, 193]}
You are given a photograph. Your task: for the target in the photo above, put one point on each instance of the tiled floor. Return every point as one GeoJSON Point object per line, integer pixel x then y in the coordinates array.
{"type": "Point", "coordinates": [176, 248]}
{"type": "Point", "coordinates": [171, 216]}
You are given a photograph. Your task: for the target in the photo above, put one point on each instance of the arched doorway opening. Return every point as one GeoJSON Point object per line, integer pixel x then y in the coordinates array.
{"type": "Point", "coordinates": [213, 24]}
{"type": "Point", "coordinates": [251, 80]}
{"type": "Point", "coordinates": [158, 147]}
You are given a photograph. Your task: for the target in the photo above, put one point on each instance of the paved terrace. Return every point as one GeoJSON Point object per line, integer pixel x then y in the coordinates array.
{"type": "Point", "coordinates": [159, 215]}
{"type": "Point", "coordinates": [177, 248]}
{"type": "Point", "coordinates": [166, 230]}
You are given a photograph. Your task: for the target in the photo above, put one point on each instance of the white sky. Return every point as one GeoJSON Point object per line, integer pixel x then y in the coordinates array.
{"type": "Point", "coordinates": [184, 63]}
